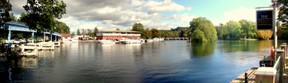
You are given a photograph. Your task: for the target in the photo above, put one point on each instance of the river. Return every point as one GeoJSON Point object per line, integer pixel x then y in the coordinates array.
{"type": "Point", "coordinates": [159, 62]}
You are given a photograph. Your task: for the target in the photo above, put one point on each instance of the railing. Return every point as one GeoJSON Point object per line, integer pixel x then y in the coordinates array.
{"type": "Point", "coordinates": [273, 74]}
{"type": "Point", "coordinates": [278, 69]}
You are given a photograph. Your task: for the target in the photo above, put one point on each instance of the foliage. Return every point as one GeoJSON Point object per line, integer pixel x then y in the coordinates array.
{"type": "Point", "coordinates": [62, 27]}
{"type": "Point", "coordinates": [248, 29]}
{"type": "Point", "coordinates": [41, 14]}
{"type": "Point", "coordinates": [89, 32]}
{"type": "Point", "coordinates": [206, 27]}
{"type": "Point", "coordinates": [78, 32]}
{"type": "Point", "coordinates": [198, 36]}
{"type": "Point", "coordinates": [283, 11]}
{"type": "Point", "coordinates": [73, 34]}
{"type": "Point", "coordinates": [95, 32]}
{"type": "Point", "coordinates": [234, 29]}
{"type": "Point", "coordinates": [155, 33]}
{"type": "Point", "coordinates": [5, 7]}
{"type": "Point", "coordinates": [139, 27]}
{"type": "Point", "coordinates": [168, 33]}
{"type": "Point", "coordinates": [282, 32]}
{"type": "Point", "coordinates": [184, 33]}
{"type": "Point", "coordinates": [264, 34]}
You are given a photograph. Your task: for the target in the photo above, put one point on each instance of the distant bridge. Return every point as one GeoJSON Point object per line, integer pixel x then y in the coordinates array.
{"type": "Point", "coordinates": [176, 38]}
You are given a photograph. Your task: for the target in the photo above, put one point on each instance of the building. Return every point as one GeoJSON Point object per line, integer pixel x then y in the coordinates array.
{"type": "Point", "coordinates": [118, 35]}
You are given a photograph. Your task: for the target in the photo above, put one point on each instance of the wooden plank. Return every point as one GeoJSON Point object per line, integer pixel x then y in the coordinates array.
{"type": "Point", "coordinates": [250, 74]}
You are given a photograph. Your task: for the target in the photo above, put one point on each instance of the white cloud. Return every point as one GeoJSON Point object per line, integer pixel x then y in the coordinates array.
{"type": "Point", "coordinates": [122, 14]}
{"type": "Point", "coordinates": [236, 15]}
{"type": "Point", "coordinates": [165, 6]}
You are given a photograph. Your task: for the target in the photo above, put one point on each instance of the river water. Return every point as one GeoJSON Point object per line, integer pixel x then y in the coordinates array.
{"type": "Point", "coordinates": [161, 62]}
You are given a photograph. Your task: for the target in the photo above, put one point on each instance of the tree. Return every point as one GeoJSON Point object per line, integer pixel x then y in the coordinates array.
{"type": "Point", "coordinates": [5, 7]}
{"type": "Point", "coordinates": [73, 34]}
{"type": "Point", "coordinates": [83, 32]}
{"type": "Point", "coordinates": [234, 29]}
{"type": "Point", "coordinates": [155, 33]}
{"type": "Point", "coordinates": [41, 14]}
{"type": "Point", "coordinates": [148, 34]}
{"type": "Point", "coordinates": [248, 29]}
{"type": "Point", "coordinates": [78, 32]}
{"type": "Point", "coordinates": [198, 36]}
{"type": "Point", "coordinates": [139, 27]}
{"type": "Point", "coordinates": [203, 25]}
{"type": "Point", "coordinates": [95, 32]}
{"type": "Point", "coordinates": [61, 27]}
{"type": "Point", "coordinates": [283, 11]}
{"type": "Point", "coordinates": [90, 33]}
{"type": "Point", "coordinates": [264, 34]}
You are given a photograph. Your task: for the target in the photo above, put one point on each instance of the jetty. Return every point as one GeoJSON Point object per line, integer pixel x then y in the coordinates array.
{"type": "Point", "coordinates": [28, 48]}
{"type": "Point", "coordinates": [265, 73]}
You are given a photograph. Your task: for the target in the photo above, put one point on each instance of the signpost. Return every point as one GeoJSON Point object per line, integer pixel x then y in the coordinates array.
{"type": "Point", "coordinates": [264, 19]}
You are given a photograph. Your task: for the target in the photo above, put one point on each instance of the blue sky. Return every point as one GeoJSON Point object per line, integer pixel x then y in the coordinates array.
{"type": "Point", "coordinates": [159, 14]}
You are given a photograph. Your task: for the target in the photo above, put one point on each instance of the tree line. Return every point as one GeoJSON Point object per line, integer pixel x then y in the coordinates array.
{"type": "Point", "coordinates": [155, 33]}
{"type": "Point", "coordinates": [89, 32]}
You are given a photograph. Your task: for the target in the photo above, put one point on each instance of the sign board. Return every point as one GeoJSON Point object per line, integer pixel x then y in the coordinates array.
{"type": "Point", "coordinates": [264, 19]}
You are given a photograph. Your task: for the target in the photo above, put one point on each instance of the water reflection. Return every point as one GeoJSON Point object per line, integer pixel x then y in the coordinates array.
{"type": "Point", "coordinates": [169, 61]}
{"type": "Point", "coordinates": [28, 62]}
{"type": "Point", "coordinates": [203, 49]}
{"type": "Point", "coordinates": [240, 45]}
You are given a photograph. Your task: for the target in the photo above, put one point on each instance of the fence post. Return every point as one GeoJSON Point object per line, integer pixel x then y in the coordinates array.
{"type": "Point", "coordinates": [246, 78]}
{"type": "Point", "coordinates": [280, 53]}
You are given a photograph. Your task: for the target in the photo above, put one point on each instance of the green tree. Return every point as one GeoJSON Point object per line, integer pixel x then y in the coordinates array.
{"type": "Point", "coordinates": [73, 34]}
{"type": "Point", "coordinates": [248, 29]}
{"type": "Point", "coordinates": [201, 24]}
{"type": "Point", "coordinates": [155, 33]}
{"type": "Point", "coordinates": [78, 32]}
{"type": "Point", "coordinates": [5, 8]}
{"type": "Point", "coordinates": [234, 29]}
{"type": "Point", "coordinates": [61, 27]}
{"type": "Point", "coordinates": [139, 27]}
{"type": "Point", "coordinates": [89, 33]}
{"type": "Point", "coordinates": [222, 33]}
{"type": "Point", "coordinates": [148, 34]}
{"type": "Point", "coordinates": [198, 36]}
{"type": "Point", "coordinates": [95, 32]}
{"type": "Point", "coordinates": [41, 14]}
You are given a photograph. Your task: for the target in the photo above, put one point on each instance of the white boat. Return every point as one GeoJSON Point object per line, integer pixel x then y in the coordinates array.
{"type": "Point", "coordinates": [158, 39]}
{"type": "Point", "coordinates": [106, 42]}
{"type": "Point", "coordinates": [46, 46]}
{"type": "Point", "coordinates": [149, 40]}
{"type": "Point", "coordinates": [130, 41]}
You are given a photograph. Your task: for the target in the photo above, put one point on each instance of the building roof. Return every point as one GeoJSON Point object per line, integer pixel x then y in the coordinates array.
{"type": "Point", "coordinates": [65, 35]}
{"type": "Point", "coordinates": [121, 31]}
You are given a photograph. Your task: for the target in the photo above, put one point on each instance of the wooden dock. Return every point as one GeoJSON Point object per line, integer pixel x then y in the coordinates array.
{"type": "Point", "coordinates": [250, 75]}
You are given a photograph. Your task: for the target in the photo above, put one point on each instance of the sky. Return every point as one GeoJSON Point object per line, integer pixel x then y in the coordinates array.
{"type": "Point", "coordinates": [158, 14]}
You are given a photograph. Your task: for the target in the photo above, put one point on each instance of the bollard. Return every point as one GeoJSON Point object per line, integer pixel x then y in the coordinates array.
{"type": "Point", "coordinates": [246, 78]}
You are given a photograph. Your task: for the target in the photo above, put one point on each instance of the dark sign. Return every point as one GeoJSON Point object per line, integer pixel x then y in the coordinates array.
{"type": "Point", "coordinates": [264, 19]}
